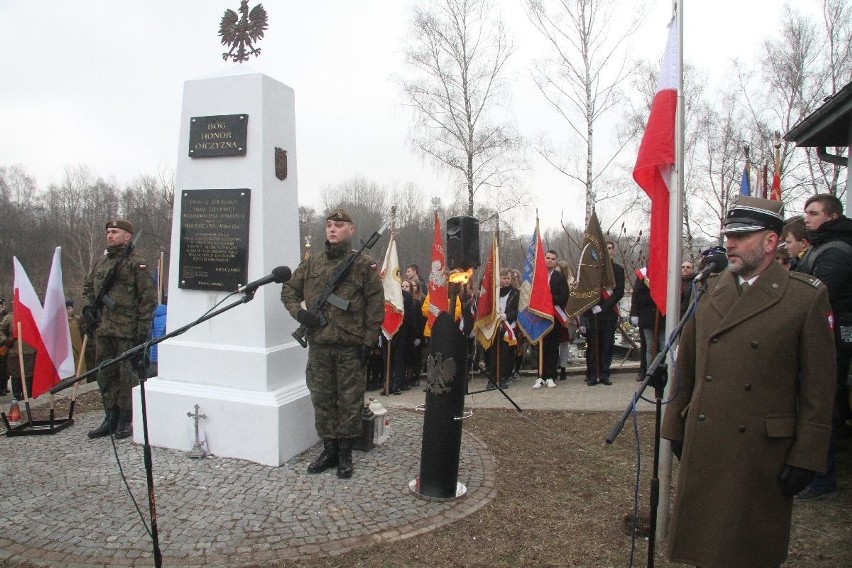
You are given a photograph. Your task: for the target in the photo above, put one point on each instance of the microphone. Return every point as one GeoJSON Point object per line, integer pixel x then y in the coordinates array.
{"type": "Point", "coordinates": [713, 264]}
{"type": "Point", "coordinates": [280, 274]}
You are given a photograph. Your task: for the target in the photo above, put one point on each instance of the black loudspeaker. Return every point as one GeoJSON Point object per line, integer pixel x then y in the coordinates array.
{"type": "Point", "coordinates": [462, 242]}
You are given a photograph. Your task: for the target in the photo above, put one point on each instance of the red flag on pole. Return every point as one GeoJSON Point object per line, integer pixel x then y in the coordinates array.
{"type": "Point", "coordinates": [438, 289]}
{"type": "Point", "coordinates": [485, 319]}
{"type": "Point", "coordinates": [775, 192]}
{"type": "Point", "coordinates": [654, 165]}
{"type": "Point", "coordinates": [392, 285]}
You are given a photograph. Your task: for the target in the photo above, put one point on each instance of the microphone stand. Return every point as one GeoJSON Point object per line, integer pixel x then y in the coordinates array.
{"type": "Point", "coordinates": [146, 448]}
{"type": "Point", "coordinates": [655, 375]}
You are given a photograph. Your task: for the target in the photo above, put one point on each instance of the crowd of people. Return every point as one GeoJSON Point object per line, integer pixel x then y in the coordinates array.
{"type": "Point", "coordinates": [759, 401]}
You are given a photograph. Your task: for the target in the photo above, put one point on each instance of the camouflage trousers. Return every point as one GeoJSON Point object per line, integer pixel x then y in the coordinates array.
{"type": "Point", "coordinates": [116, 381]}
{"type": "Point", "coordinates": [337, 383]}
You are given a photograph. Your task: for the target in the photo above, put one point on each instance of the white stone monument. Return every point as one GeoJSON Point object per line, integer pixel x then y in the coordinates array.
{"type": "Point", "coordinates": [242, 368]}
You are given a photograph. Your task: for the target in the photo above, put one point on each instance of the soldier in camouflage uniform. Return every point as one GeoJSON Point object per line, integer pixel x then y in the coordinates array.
{"type": "Point", "coordinates": [338, 351]}
{"type": "Point", "coordinates": [125, 319]}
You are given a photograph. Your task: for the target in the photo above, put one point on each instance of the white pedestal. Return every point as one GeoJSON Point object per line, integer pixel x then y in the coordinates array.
{"type": "Point", "coordinates": [242, 368]}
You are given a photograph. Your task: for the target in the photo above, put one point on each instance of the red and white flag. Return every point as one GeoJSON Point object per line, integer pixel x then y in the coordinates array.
{"type": "Point", "coordinates": [654, 165]}
{"type": "Point", "coordinates": [56, 360]}
{"type": "Point", "coordinates": [27, 311]}
{"type": "Point", "coordinates": [392, 284]}
{"type": "Point", "coordinates": [487, 305]}
{"type": "Point", "coordinates": [438, 285]}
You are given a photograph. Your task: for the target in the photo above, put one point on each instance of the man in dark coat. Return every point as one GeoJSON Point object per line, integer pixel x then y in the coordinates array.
{"type": "Point", "coordinates": [601, 323]}
{"type": "Point", "coordinates": [550, 343]}
{"type": "Point", "coordinates": [751, 409]}
{"type": "Point", "coordinates": [830, 259]}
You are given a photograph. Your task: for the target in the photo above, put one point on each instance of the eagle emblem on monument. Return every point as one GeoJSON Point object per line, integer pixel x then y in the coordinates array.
{"type": "Point", "coordinates": [242, 32]}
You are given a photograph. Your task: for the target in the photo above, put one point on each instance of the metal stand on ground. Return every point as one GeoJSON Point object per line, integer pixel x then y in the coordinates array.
{"type": "Point", "coordinates": [146, 448]}
{"type": "Point", "coordinates": [656, 376]}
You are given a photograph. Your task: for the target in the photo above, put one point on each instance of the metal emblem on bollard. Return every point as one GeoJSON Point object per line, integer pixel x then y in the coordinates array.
{"type": "Point", "coordinates": [439, 373]}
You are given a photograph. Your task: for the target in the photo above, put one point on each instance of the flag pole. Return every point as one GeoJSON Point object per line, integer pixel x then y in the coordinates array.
{"type": "Point", "coordinates": [24, 376]}
{"type": "Point", "coordinates": [388, 360]}
{"type": "Point", "coordinates": [80, 362]}
{"type": "Point", "coordinates": [673, 277]}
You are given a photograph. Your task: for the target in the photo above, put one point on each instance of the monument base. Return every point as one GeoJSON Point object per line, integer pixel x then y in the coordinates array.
{"type": "Point", "coordinates": [268, 428]}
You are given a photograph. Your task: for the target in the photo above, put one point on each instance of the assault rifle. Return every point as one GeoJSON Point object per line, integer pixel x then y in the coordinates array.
{"type": "Point", "coordinates": [328, 296]}
{"type": "Point", "coordinates": [92, 313]}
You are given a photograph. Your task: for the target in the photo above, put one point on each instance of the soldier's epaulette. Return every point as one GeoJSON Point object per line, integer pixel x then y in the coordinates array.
{"type": "Point", "coordinates": [806, 279]}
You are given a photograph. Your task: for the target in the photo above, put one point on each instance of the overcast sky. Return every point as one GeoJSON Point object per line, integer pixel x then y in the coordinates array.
{"type": "Point", "coordinates": [100, 83]}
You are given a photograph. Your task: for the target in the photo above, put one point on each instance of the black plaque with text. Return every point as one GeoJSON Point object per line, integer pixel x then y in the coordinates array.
{"type": "Point", "coordinates": [214, 239]}
{"type": "Point", "coordinates": [222, 135]}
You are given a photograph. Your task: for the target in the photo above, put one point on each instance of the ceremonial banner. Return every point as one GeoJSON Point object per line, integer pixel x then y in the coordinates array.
{"type": "Point", "coordinates": [438, 289]}
{"type": "Point", "coordinates": [654, 165]}
{"type": "Point", "coordinates": [485, 320]}
{"type": "Point", "coordinates": [594, 273]}
{"type": "Point", "coordinates": [535, 305]}
{"type": "Point", "coordinates": [392, 285]}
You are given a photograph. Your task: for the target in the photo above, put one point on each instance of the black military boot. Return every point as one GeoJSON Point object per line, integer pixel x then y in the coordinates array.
{"type": "Point", "coordinates": [107, 426]}
{"type": "Point", "coordinates": [327, 459]}
{"type": "Point", "coordinates": [344, 465]}
{"type": "Point", "coordinates": [125, 424]}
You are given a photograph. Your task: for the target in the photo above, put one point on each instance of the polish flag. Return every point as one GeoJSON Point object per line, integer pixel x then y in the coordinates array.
{"type": "Point", "coordinates": [27, 311]}
{"type": "Point", "coordinates": [392, 284]}
{"type": "Point", "coordinates": [56, 360]}
{"type": "Point", "coordinates": [654, 165]}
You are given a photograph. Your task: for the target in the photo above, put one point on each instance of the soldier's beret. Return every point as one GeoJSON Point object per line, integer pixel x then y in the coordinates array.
{"type": "Point", "coordinates": [339, 215]}
{"type": "Point", "coordinates": [751, 214]}
{"type": "Point", "coordinates": [121, 224]}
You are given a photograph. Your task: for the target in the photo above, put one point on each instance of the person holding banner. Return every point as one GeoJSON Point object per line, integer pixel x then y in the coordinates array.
{"type": "Point", "coordinates": [504, 340]}
{"type": "Point", "coordinates": [601, 323]}
{"type": "Point", "coordinates": [550, 344]}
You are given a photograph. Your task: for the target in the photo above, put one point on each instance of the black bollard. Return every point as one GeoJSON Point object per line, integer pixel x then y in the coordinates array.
{"type": "Point", "coordinates": [442, 424]}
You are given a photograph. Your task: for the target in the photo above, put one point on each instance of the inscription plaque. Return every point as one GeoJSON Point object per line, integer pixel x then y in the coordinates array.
{"type": "Point", "coordinates": [222, 135]}
{"type": "Point", "coordinates": [214, 238]}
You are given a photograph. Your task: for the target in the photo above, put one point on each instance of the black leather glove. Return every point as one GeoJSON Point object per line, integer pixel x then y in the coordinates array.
{"type": "Point", "coordinates": [141, 360]}
{"type": "Point", "coordinates": [793, 479]}
{"type": "Point", "coordinates": [308, 319]}
{"type": "Point", "coordinates": [364, 356]}
{"type": "Point", "coordinates": [677, 448]}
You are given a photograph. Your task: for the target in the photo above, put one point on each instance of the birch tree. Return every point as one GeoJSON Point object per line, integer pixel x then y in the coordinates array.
{"type": "Point", "coordinates": [581, 79]}
{"type": "Point", "coordinates": [455, 86]}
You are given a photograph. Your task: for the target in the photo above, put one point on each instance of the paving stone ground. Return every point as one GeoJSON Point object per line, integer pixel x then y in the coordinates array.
{"type": "Point", "coordinates": [63, 502]}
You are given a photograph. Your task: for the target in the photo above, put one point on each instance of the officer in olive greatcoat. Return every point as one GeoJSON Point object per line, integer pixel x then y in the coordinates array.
{"type": "Point", "coordinates": [338, 351]}
{"type": "Point", "coordinates": [750, 415]}
{"type": "Point", "coordinates": [128, 297]}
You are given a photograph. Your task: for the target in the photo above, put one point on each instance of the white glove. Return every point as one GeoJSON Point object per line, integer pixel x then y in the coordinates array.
{"type": "Point", "coordinates": [596, 310]}
{"type": "Point", "coordinates": [634, 320]}
{"type": "Point", "coordinates": [502, 316]}
{"type": "Point", "coordinates": [583, 329]}
{"type": "Point", "coordinates": [417, 342]}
